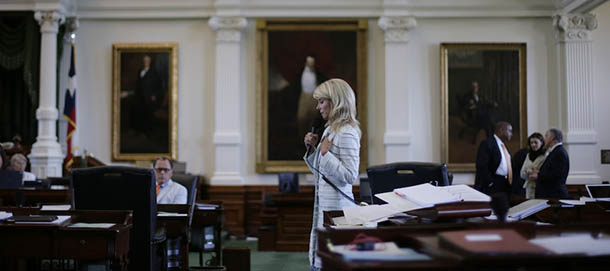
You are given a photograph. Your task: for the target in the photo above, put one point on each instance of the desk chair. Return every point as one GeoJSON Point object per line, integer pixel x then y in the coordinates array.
{"type": "Point", "coordinates": [122, 188]}
{"type": "Point", "coordinates": [387, 177]}
{"type": "Point", "coordinates": [11, 179]}
{"type": "Point", "coordinates": [190, 182]}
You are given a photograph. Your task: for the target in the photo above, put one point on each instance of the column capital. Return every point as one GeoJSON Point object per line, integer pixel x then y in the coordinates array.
{"type": "Point", "coordinates": [71, 25]}
{"type": "Point", "coordinates": [228, 29]}
{"type": "Point", "coordinates": [396, 27]}
{"type": "Point", "coordinates": [574, 27]}
{"type": "Point", "coordinates": [49, 20]}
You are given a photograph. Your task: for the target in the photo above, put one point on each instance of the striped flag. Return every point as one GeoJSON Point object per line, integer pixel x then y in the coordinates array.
{"type": "Point", "coordinates": [70, 111]}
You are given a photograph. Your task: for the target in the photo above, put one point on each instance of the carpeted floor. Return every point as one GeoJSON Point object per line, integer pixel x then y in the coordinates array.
{"type": "Point", "coordinates": [263, 261]}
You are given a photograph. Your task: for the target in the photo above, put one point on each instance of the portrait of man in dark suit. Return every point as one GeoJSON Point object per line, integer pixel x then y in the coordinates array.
{"type": "Point", "coordinates": [144, 102]}
{"type": "Point", "coordinates": [482, 84]}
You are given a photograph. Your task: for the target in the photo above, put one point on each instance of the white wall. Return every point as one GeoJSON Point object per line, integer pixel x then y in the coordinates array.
{"type": "Point", "coordinates": [601, 64]}
{"type": "Point", "coordinates": [196, 52]}
{"type": "Point", "coordinates": [195, 61]}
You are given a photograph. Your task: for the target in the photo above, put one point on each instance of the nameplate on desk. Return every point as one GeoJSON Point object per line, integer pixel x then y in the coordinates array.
{"type": "Point", "coordinates": [166, 214]}
{"type": "Point", "coordinates": [61, 207]}
{"type": "Point", "coordinates": [32, 220]}
{"type": "Point", "coordinates": [92, 225]}
{"type": "Point", "coordinates": [482, 237]}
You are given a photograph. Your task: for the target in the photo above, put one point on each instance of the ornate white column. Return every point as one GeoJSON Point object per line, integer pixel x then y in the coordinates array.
{"type": "Point", "coordinates": [46, 157]}
{"type": "Point", "coordinates": [227, 133]}
{"type": "Point", "coordinates": [576, 93]}
{"type": "Point", "coordinates": [397, 136]}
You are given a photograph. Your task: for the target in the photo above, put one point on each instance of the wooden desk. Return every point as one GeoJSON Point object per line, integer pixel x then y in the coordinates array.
{"type": "Point", "coordinates": [32, 196]}
{"type": "Point", "coordinates": [177, 227]}
{"type": "Point", "coordinates": [210, 217]}
{"type": "Point", "coordinates": [28, 241]}
{"type": "Point", "coordinates": [287, 222]}
{"type": "Point", "coordinates": [424, 239]}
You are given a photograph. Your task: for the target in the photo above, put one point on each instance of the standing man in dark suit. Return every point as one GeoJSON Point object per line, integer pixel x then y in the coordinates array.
{"type": "Point", "coordinates": [551, 178]}
{"type": "Point", "coordinates": [494, 170]}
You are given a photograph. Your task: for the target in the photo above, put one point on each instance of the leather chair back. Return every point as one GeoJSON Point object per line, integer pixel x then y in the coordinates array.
{"type": "Point", "coordinates": [121, 188]}
{"type": "Point", "coordinates": [190, 182]}
{"type": "Point", "coordinates": [387, 177]}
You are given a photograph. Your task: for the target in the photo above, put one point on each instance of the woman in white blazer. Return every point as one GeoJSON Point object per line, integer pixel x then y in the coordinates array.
{"type": "Point", "coordinates": [533, 161]}
{"type": "Point", "coordinates": [337, 156]}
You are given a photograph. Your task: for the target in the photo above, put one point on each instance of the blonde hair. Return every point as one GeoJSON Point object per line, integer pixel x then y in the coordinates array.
{"type": "Point", "coordinates": [342, 103]}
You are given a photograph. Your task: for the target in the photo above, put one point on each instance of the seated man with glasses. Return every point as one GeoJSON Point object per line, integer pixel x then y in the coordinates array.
{"type": "Point", "coordinates": [168, 191]}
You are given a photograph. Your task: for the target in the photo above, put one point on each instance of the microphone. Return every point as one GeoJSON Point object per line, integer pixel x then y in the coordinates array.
{"type": "Point", "coordinates": [315, 123]}
{"type": "Point", "coordinates": [313, 130]}
{"type": "Point", "coordinates": [499, 205]}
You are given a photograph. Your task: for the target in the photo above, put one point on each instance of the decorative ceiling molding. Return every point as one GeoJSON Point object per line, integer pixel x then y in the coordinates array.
{"type": "Point", "coordinates": [65, 7]}
{"type": "Point", "coordinates": [185, 9]}
{"type": "Point", "coordinates": [577, 6]}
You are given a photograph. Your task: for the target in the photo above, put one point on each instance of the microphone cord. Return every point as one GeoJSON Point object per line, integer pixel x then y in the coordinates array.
{"type": "Point", "coordinates": [333, 185]}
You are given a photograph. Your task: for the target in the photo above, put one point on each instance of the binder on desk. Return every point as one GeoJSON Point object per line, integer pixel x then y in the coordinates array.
{"type": "Point", "coordinates": [489, 242]}
{"type": "Point", "coordinates": [527, 208]}
{"type": "Point", "coordinates": [427, 195]}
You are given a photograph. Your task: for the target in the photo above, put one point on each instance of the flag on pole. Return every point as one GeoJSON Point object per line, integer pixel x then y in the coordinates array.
{"type": "Point", "coordinates": [70, 111]}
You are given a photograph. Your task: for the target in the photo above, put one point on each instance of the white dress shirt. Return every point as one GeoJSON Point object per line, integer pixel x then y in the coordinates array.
{"type": "Point", "coordinates": [503, 167]}
{"type": "Point", "coordinates": [171, 193]}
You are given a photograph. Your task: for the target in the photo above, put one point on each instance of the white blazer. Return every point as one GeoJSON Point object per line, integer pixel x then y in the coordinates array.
{"type": "Point", "coordinates": [340, 165]}
{"type": "Point", "coordinates": [172, 193]}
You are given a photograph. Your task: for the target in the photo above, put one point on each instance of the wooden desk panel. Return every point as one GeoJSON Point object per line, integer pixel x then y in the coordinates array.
{"type": "Point", "coordinates": [61, 242]}
{"type": "Point", "coordinates": [425, 240]}
{"type": "Point", "coordinates": [34, 196]}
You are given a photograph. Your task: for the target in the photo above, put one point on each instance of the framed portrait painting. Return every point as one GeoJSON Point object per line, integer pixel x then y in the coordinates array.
{"type": "Point", "coordinates": [144, 101]}
{"type": "Point", "coordinates": [295, 56]}
{"type": "Point", "coordinates": [482, 84]}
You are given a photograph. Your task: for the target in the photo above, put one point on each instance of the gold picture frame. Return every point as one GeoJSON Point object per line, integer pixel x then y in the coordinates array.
{"type": "Point", "coordinates": [144, 101]}
{"type": "Point", "coordinates": [339, 48]}
{"type": "Point", "coordinates": [496, 72]}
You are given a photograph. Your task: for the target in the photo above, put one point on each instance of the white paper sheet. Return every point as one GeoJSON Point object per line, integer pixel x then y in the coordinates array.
{"type": "Point", "coordinates": [426, 195]}
{"type": "Point", "coordinates": [92, 225]}
{"type": "Point", "coordinates": [397, 202]}
{"type": "Point", "coordinates": [362, 214]}
{"type": "Point", "coordinates": [60, 219]}
{"type": "Point", "coordinates": [62, 207]}
{"type": "Point", "coordinates": [465, 193]}
{"type": "Point", "coordinates": [579, 244]}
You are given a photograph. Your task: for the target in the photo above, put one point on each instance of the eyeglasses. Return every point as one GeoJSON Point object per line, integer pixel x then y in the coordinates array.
{"type": "Point", "coordinates": [161, 170]}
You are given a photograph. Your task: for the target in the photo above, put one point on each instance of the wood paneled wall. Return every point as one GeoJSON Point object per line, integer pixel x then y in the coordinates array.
{"type": "Point", "coordinates": [243, 205]}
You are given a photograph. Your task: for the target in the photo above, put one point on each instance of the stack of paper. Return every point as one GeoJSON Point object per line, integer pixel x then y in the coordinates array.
{"type": "Point", "coordinates": [411, 198]}
{"type": "Point", "coordinates": [356, 215]}
{"type": "Point", "coordinates": [5, 215]}
{"type": "Point", "coordinates": [578, 244]}
{"type": "Point", "coordinates": [205, 206]}
{"type": "Point", "coordinates": [527, 208]}
{"type": "Point", "coordinates": [60, 207]}
{"type": "Point", "coordinates": [60, 219]}
{"type": "Point", "coordinates": [427, 195]}
{"type": "Point", "coordinates": [387, 251]}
